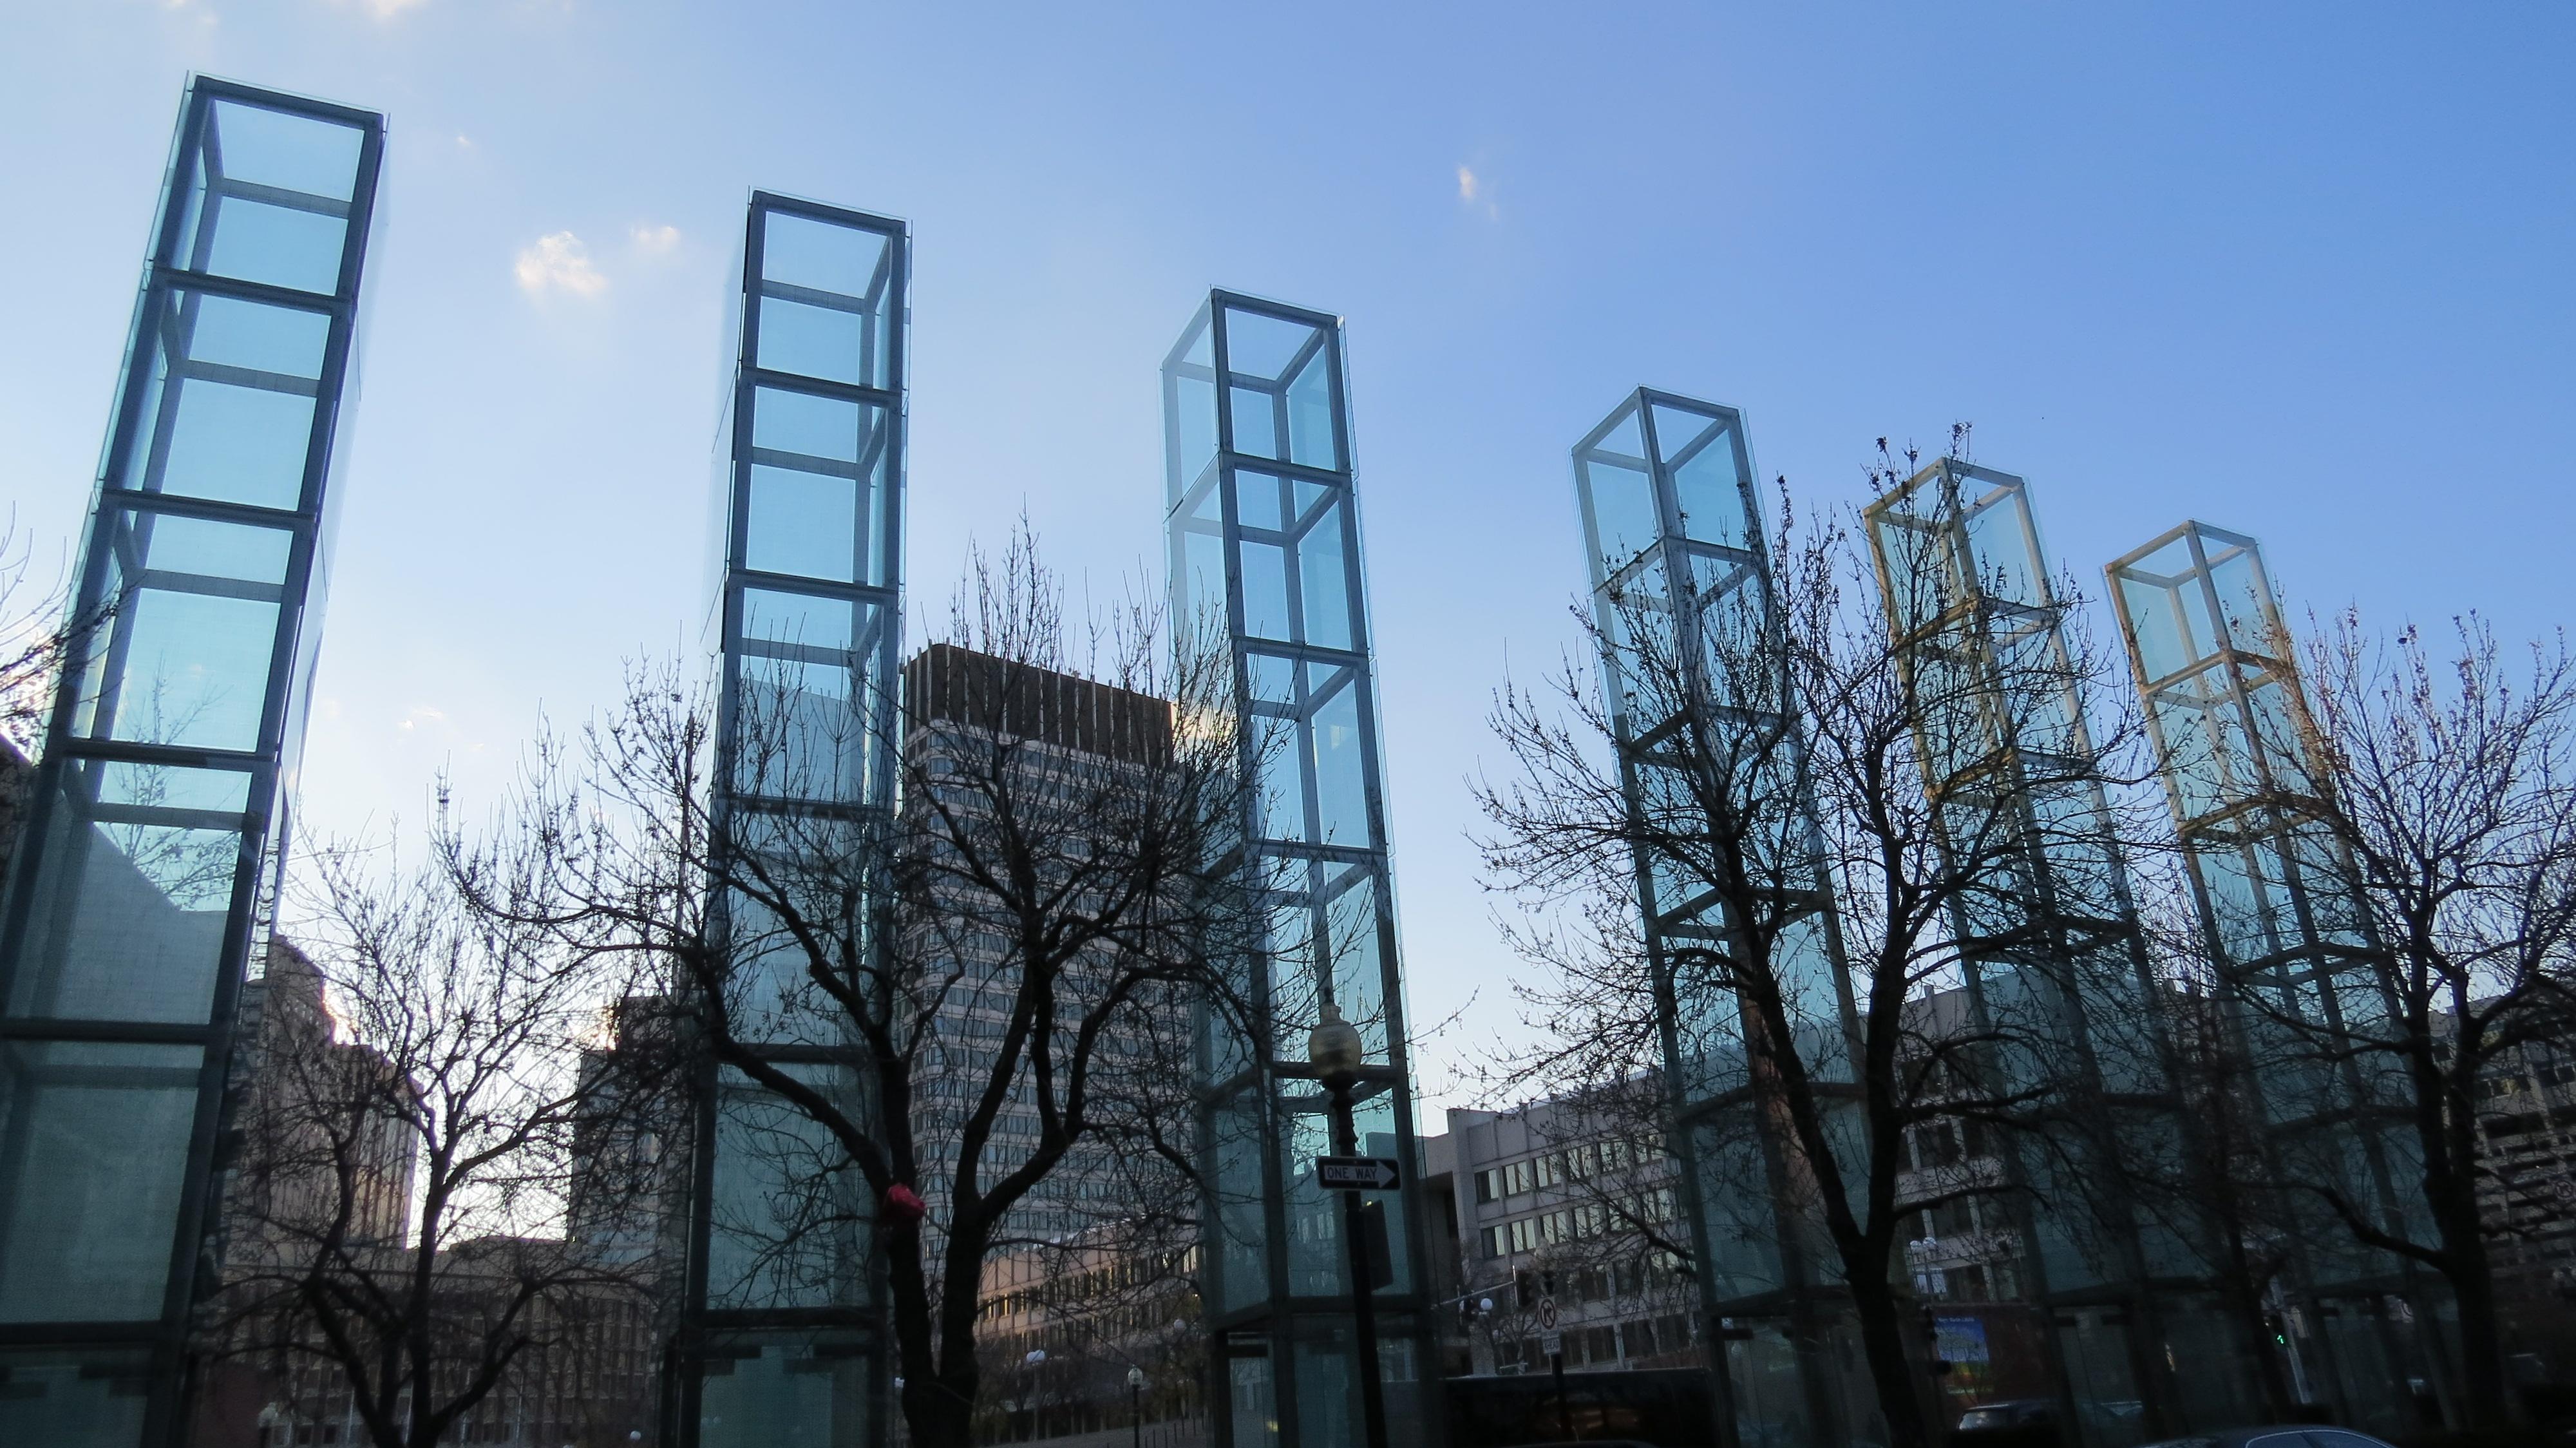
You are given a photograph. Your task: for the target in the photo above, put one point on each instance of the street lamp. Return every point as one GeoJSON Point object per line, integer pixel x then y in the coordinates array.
{"type": "Point", "coordinates": [1136, 1404]}
{"type": "Point", "coordinates": [1337, 1053]}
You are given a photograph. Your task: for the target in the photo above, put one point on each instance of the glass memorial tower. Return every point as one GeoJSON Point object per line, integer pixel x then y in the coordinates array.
{"type": "Point", "coordinates": [2235, 745]}
{"type": "Point", "coordinates": [2056, 964]}
{"type": "Point", "coordinates": [785, 1319]}
{"type": "Point", "coordinates": [1696, 681]}
{"type": "Point", "coordinates": [157, 817]}
{"type": "Point", "coordinates": [1264, 560]}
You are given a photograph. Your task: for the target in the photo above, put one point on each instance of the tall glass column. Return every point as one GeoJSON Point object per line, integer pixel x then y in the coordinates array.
{"type": "Point", "coordinates": [786, 1331]}
{"type": "Point", "coordinates": [1264, 557]}
{"type": "Point", "coordinates": [2056, 966]}
{"type": "Point", "coordinates": [157, 816]}
{"type": "Point", "coordinates": [2279, 915]}
{"type": "Point", "coordinates": [1697, 685]}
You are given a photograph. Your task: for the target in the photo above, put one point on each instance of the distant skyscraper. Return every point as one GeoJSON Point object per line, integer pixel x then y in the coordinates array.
{"type": "Point", "coordinates": [157, 813]}
{"type": "Point", "coordinates": [1091, 737]}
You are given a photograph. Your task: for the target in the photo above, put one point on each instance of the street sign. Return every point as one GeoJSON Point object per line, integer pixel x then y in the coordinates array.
{"type": "Point", "coordinates": [1552, 1344]}
{"type": "Point", "coordinates": [1547, 1314]}
{"type": "Point", "coordinates": [1358, 1173]}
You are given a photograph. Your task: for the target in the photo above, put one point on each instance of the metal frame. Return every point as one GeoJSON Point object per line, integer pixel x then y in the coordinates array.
{"type": "Point", "coordinates": [2237, 752]}
{"type": "Point", "coordinates": [1665, 485]}
{"type": "Point", "coordinates": [1260, 512]}
{"type": "Point", "coordinates": [804, 571]}
{"type": "Point", "coordinates": [1966, 583]}
{"type": "Point", "coordinates": [99, 743]}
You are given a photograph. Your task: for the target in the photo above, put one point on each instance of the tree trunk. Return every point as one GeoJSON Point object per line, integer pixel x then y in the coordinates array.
{"type": "Point", "coordinates": [940, 1411]}
{"type": "Point", "coordinates": [1892, 1372]}
{"type": "Point", "coordinates": [2483, 1391]}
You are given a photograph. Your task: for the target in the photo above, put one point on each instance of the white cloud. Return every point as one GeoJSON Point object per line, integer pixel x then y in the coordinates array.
{"type": "Point", "coordinates": [388, 9]}
{"type": "Point", "coordinates": [653, 240]}
{"type": "Point", "coordinates": [559, 261]}
{"type": "Point", "coordinates": [1477, 193]}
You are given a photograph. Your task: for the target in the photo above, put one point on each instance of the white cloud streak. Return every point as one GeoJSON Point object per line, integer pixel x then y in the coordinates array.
{"type": "Point", "coordinates": [559, 262]}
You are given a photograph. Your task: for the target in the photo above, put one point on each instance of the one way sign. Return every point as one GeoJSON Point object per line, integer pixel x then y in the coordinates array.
{"type": "Point", "coordinates": [1357, 1173]}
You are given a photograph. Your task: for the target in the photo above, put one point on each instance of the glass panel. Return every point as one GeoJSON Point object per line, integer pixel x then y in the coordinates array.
{"type": "Point", "coordinates": [815, 340]}
{"type": "Point", "coordinates": [1265, 591]}
{"type": "Point", "coordinates": [1356, 963]}
{"type": "Point", "coordinates": [1341, 772]}
{"type": "Point", "coordinates": [268, 198]}
{"type": "Point", "coordinates": [1189, 405]}
{"type": "Point", "coordinates": [187, 657]}
{"type": "Point", "coordinates": [1265, 349]}
{"type": "Point", "coordinates": [788, 1224]}
{"type": "Point", "coordinates": [804, 696]}
{"type": "Point", "coordinates": [784, 1390]}
{"type": "Point", "coordinates": [822, 256]}
{"type": "Point", "coordinates": [1709, 488]}
{"type": "Point", "coordinates": [96, 1140]}
{"type": "Point", "coordinates": [135, 890]}
{"type": "Point", "coordinates": [74, 1397]}
{"type": "Point", "coordinates": [1621, 511]}
{"type": "Point", "coordinates": [1311, 437]}
{"type": "Point", "coordinates": [1323, 580]}
{"type": "Point", "coordinates": [812, 428]}
{"type": "Point", "coordinates": [806, 524]}
{"type": "Point", "coordinates": [227, 401]}
{"type": "Point", "coordinates": [1256, 421]}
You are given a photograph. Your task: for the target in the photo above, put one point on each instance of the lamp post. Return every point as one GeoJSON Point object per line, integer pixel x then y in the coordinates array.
{"type": "Point", "coordinates": [1136, 1404]}
{"type": "Point", "coordinates": [1335, 1050]}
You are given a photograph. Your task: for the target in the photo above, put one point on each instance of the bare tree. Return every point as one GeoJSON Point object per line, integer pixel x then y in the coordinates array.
{"type": "Point", "coordinates": [1758, 764]}
{"type": "Point", "coordinates": [1009, 960]}
{"type": "Point", "coordinates": [2439, 850]}
{"type": "Point", "coordinates": [417, 1204]}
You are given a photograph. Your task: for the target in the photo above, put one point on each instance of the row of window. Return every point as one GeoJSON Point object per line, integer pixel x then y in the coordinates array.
{"type": "Point", "coordinates": [1620, 1342]}
{"type": "Point", "coordinates": [1577, 1223]}
{"type": "Point", "coordinates": [1578, 1164]}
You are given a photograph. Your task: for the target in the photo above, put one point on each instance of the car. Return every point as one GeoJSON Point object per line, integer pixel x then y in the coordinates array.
{"type": "Point", "coordinates": [2279, 1435]}
{"type": "Point", "coordinates": [2012, 1413]}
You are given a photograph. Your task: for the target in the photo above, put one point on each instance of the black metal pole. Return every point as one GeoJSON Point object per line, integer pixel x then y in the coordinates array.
{"type": "Point", "coordinates": [1363, 1296]}
{"type": "Point", "coordinates": [1136, 1413]}
{"type": "Point", "coordinates": [1564, 1409]}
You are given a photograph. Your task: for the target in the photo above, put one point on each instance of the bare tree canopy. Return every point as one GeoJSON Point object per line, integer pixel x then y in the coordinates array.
{"type": "Point", "coordinates": [932, 1035]}
{"type": "Point", "coordinates": [1814, 767]}
{"type": "Point", "coordinates": [419, 1202]}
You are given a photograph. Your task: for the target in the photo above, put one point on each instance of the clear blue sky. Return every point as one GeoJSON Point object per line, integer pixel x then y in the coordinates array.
{"type": "Point", "coordinates": [2301, 270]}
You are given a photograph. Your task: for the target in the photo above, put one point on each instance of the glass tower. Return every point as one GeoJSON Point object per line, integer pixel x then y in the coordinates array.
{"type": "Point", "coordinates": [158, 815]}
{"type": "Point", "coordinates": [1698, 691]}
{"type": "Point", "coordinates": [2056, 965]}
{"type": "Point", "coordinates": [786, 1306]}
{"type": "Point", "coordinates": [1264, 556]}
{"type": "Point", "coordinates": [2217, 670]}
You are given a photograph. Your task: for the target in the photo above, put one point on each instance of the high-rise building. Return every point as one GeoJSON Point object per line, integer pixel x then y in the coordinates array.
{"type": "Point", "coordinates": [155, 823]}
{"type": "Point", "coordinates": [1060, 742]}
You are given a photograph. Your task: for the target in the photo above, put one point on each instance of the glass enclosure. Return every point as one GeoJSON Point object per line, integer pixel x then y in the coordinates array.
{"type": "Point", "coordinates": [2056, 971]}
{"type": "Point", "coordinates": [2217, 670]}
{"type": "Point", "coordinates": [1698, 690]}
{"type": "Point", "coordinates": [157, 816]}
{"type": "Point", "coordinates": [786, 1326]}
{"type": "Point", "coordinates": [1265, 565]}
